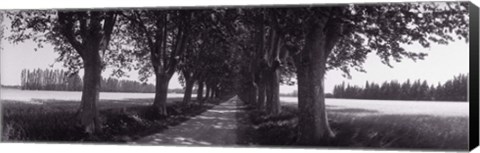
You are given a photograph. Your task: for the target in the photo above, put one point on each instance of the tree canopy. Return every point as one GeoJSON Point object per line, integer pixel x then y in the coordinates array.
{"type": "Point", "coordinates": [249, 51]}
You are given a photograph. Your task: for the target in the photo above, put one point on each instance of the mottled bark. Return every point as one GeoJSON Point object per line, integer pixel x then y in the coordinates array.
{"type": "Point", "coordinates": [271, 72]}
{"type": "Point", "coordinates": [313, 127]}
{"type": "Point", "coordinates": [90, 94]}
{"type": "Point", "coordinates": [164, 66]}
{"type": "Point", "coordinates": [161, 91]}
{"type": "Point", "coordinates": [188, 91]}
{"type": "Point", "coordinates": [273, 92]}
{"type": "Point", "coordinates": [95, 38]}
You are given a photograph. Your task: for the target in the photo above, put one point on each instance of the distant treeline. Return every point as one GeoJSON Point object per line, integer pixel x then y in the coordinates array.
{"type": "Point", "coordinates": [292, 94]}
{"type": "Point", "coordinates": [452, 90]}
{"type": "Point", "coordinates": [39, 79]}
{"type": "Point", "coordinates": [295, 94]}
{"type": "Point", "coordinates": [115, 85]}
{"type": "Point", "coordinates": [11, 86]}
{"type": "Point", "coordinates": [58, 80]}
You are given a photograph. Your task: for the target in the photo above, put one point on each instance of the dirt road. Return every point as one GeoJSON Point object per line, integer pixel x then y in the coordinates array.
{"type": "Point", "coordinates": [221, 125]}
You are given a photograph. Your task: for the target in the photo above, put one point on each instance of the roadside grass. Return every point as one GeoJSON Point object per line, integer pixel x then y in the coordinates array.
{"type": "Point", "coordinates": [356, 128]}
{"type": "Point", "coordinates": [121, 120]}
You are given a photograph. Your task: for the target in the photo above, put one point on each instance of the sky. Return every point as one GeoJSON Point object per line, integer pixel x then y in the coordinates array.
{"type": "Point", "coordinates": [15, 57]}
{"type": "Point", "coordinates": [442, 63]}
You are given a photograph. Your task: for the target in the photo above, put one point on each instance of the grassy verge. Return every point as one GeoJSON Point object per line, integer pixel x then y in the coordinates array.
{"type": "Point", "coordinates": [122, 120]}
{"type": "Point", "coordinates": [367, 131]}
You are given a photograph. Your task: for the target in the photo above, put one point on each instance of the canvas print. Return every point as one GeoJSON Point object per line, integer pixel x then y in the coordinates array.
{"type": "Point", "coordinates": [377, 76]}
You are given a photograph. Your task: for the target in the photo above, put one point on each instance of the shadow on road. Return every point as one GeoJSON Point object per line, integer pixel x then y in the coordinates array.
{"type": "Point", "coordinates": [220, 125]}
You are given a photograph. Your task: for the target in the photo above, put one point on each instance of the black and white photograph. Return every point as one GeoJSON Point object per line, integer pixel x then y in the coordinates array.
{"type": "Point", "coordinates": [390, 76]}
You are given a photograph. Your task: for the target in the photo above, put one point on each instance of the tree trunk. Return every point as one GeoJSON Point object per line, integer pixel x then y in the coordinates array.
{"type": "Point", "coordinates": [261, 94]}
{"type": "Point", "coordinates": [200, 91]}
{"type": "Point", "coordinates": [188, 90]}
{"type": "Point", "coordinates": [90, 95]}
{"type": "Point", "coordinates": [215, 94]}
{"type": "Point", "coordinates": [254, 93]}
{"type": "Point", "coordinates": [212, 92]}
{"type": "Point", "coordinates": [161, 91]}
{"type": "Point", "coordinates": [313, 127]}
{"type": "Point", "coordinates": [251, 92]}
{"type": "Point", "coordinates": [207, 92]}
{"type": "Point", "coordinates": [273, 92]}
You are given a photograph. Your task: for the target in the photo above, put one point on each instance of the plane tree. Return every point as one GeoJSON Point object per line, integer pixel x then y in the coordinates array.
{"type": "Point", "coordinates": [273, 58]}
{"type": "Point", "coordinates": [220, 56]}
{"type": "Point", "coordinates": [160, 38]}
{"type": "Point", "coordinates": [205, 45]}
{"type": "Point", "coordinates": [81, 37]}
{"type": "Point", "coordinates": [243, 36]}
{"type": "Point", "coordinates": [316, 38]}
{"type": "Point", "coordinates": [189, 71]}
{"type": "Point", "coordinates": [320, 38]}
{"type": "Point", "coordinates": [266, 61]}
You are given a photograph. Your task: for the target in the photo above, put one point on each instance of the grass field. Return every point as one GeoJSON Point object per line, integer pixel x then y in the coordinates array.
{"type": "Point", "coordinates": [122, 120]}
{"type": "Point", "coordinates": [369, 131]}
{"type": "Point", "coordinates": [358, 124]}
